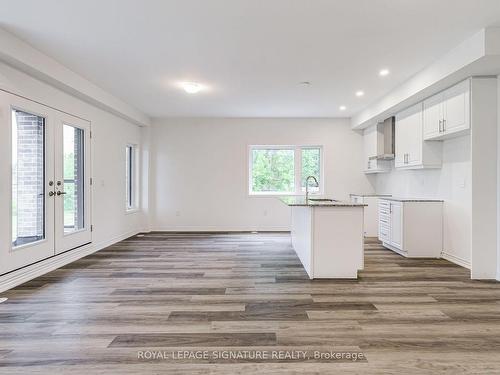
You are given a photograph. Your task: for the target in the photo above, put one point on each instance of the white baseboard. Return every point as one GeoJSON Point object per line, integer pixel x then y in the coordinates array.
{"type": "Point", "coordinates": [219, 229]}
{"type": "Point", "coordinates": [28, 273]}
{"type": "Point", "coordinates": [101, 245]}
{"type": "Point", "coordinates": [454, 259]}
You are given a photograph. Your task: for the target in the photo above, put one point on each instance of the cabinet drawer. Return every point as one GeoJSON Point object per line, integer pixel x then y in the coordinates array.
{"type": "Point", "coordinates": [384, 233]}
{"type": "Point", "coordinates": [384, 219]}
{"type": "Point", "coordinates": [383, 204]}
{"type": "Point", "coordinates": [384, 211]}
{"type": "Point", "coordinates": [384, 208]}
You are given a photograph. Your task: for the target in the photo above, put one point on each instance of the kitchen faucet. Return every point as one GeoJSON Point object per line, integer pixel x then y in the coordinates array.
{"type": "Point", "coordinates": [307, 185]}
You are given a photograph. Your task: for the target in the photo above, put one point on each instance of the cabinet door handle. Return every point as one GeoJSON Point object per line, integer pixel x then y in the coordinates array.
{"type": "Point", "coordinates": [440, 125]}
{"type": "Point", "coordinates": [444, 125]}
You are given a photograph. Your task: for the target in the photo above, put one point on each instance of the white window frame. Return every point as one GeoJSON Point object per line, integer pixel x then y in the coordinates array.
{"type": "Point", "coordinates": [133, 182]}
{"type": "Point", "coordinates": [297, 169]}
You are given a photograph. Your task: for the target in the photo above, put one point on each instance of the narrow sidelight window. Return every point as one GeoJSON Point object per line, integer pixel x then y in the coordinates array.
{"type": "Point", "coordinates": [131, 177]}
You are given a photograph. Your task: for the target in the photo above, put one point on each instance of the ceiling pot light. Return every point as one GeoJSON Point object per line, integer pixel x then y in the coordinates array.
{"type": "Point", "coordinates": [342, 107]}
{"type": "Point", "coordinates": [192, 87]}
{"type": "Point", "coordinates": [383, 72]}
{"type": "Point", "coordinates": [359, 93]}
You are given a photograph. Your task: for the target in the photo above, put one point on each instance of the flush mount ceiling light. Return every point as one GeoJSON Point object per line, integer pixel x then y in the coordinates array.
{"type": "Point", "coordinates": [383, 72]}
{"type": "Point", "coordinates": [192, 87]}
{"type": "Point", "coordinates": [342, 107]}
{"type": "Point", "coordinates": [360, 93]}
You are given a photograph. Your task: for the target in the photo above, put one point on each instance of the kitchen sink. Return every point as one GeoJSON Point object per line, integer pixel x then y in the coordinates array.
{"type": "Point", "coordinates": [322, 200]}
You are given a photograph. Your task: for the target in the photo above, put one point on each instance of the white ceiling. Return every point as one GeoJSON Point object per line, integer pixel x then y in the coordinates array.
{"type": "Point", "coordinates": [251, 53]}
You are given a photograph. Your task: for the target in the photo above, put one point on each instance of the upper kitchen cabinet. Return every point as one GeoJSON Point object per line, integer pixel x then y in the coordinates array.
{"type": "Point", "coordinates": [379, 147]}
{"type": "Point", "coordinates": [411, 150]}
{"type": "Point", "coordinates": [447, 114]}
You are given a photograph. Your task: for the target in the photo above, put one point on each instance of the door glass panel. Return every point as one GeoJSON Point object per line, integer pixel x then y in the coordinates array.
{"type": "Point", "coordinates": [73, 178]}
{"type": "Point", "coordinates": [28, 178]}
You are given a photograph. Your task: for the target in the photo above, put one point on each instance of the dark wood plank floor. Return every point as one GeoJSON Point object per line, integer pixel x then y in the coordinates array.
{"type": "Point", "coordinates": [163, 293]}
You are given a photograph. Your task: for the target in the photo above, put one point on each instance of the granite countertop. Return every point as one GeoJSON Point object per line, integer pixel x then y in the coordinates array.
{"type": "Point", "coordinates": [370, 195]}
{"type": "Point", "coordinates": [300, 200]}
{"type": "Point", "coordinates": [400, 199]}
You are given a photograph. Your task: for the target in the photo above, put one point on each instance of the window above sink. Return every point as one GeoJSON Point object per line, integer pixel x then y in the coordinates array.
{"type": "Point", "coordinates": [282, 170]}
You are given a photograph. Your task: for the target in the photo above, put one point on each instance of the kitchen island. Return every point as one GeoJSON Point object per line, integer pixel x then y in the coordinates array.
{"type": "Point", "coordinates": [327, 236]}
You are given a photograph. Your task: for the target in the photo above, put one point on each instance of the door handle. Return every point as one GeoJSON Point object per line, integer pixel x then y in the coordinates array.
{"type": "Point", "coordinates": [51, 193]}
{"type": "Point", "coordinates": [60, 193]}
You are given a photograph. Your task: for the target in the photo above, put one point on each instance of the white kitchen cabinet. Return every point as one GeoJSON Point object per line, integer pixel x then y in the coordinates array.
{"type": "Point", "coordinates": [413, 228]}
{"type": "Point", "coordinates": [433, 116]}
{"type": "Point", "coordinates": [373, 142]}
{"type": "Point", "coordinates": [396, 217]}
{"type": "Point", "coordinates": [411, 150]}
{"type": "Point", "coordinates": [447, 114]}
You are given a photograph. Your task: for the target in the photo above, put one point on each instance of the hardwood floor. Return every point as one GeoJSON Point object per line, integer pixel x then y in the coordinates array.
{"type": "Point", "coordinates": [247, 294]}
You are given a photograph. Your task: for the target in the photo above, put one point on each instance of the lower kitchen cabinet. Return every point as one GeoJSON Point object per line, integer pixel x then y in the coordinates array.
{"type": "Point", "coordinates": [411, 227]}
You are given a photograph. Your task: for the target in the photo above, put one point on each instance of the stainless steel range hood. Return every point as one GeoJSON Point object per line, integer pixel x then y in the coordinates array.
{"type": "Point", "coordinates": [385, 135]}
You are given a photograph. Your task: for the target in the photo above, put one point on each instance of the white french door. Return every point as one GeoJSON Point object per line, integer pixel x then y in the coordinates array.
{"type": "Point", "coordinates": [72, 183]}
{"type": "Point", "coordinates": [45, 191]}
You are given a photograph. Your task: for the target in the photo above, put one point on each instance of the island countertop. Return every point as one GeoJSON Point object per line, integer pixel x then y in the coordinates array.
{"type": "Point", "coordinates": [317, 201]}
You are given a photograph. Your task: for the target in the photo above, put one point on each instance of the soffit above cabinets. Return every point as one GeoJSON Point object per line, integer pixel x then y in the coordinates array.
{"type": "Point", "coordinates": [477, 56]}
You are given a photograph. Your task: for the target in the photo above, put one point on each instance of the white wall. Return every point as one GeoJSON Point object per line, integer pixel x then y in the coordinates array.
{"type": "Point", "coordinates": [452, 183]}
{"type": "Point", "coordinates": [199, 170]}
{"type": "Point", "coordinates": [110, 134]}
{"type": "Point", "coordinates": [498, 176]}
